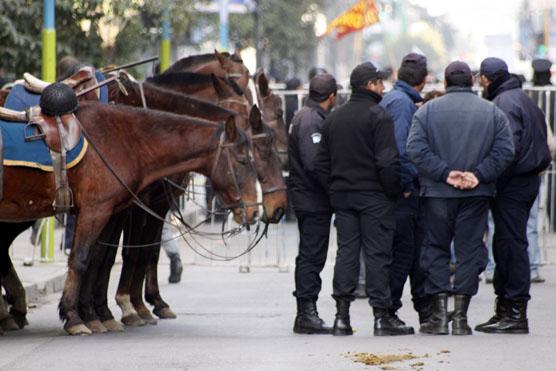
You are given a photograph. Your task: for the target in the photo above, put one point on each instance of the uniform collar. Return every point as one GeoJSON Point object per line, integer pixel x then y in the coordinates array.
{"type": "Point", "coordinates": [316, 106]}
{"type": "Point", "coordinates": [409, 90]}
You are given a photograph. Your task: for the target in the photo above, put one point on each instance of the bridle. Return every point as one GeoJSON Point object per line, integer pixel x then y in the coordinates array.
{"type": "Point", "coordinates": [265, 191]}
{"type": "Point", "coordinates": [254, 138]}
{"type": "Point", "coordinates": [238, 201]}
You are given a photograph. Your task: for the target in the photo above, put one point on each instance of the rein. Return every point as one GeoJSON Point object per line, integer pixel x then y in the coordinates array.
{"type": "Point", "coordinates": [136, 200]}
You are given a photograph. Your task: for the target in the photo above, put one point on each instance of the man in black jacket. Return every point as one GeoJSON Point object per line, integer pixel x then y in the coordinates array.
{"type": "Point", "coordinates": [358, 163]}
{"type": "Point", "coordinates": [310, 202]}
{"type": "Point", "coordinates": [460, 144]}
{"type": "Point", "coordinates": [516, 191]}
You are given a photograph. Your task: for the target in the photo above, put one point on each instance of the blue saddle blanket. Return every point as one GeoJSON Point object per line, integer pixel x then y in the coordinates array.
{"type": "Point", "coordinates": [17, 151]}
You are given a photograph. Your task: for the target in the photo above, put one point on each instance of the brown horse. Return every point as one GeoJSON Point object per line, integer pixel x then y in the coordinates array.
{"type": "Point", "coordinates": [223, 65]}
{"type": "Point", "coordinates": [268, 170]}
{"type": "Point", "coordinates": [80, 78]}
{"type": "Point", "coordinates": [273, 114]}
{"type": "Point", "coordinates": [165, 144]}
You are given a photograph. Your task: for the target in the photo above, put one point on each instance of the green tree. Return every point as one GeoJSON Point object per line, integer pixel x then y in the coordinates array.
{"type": "Point", "coordinates": [288, 40]}
{"type": "Point", "coordinates": [20, 33]}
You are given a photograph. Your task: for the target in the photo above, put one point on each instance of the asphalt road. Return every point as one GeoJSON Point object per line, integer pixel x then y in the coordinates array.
{"type": "Point", "coordinates": [233, 321]}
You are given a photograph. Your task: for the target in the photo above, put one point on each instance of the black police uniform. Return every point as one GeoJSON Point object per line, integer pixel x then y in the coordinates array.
{"type": "Point", "coordinates": [309, 200]}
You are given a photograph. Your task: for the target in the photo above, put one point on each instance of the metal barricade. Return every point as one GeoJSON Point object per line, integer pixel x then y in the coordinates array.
{"type": "Point", "coordinates": [280, 248]}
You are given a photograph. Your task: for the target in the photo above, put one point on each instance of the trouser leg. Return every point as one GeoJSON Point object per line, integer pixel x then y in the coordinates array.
{"type": "Point", "coordinates": [533, 238]}
{"type": "Point", "coordinates": [314, 232]}
{"type": "Point", "coordinates": [435, 257]}
{"type": "Point", "coordinates": [404, 246]}
{"type": "Point", "coordinates": [346, 270]}
{"type": "Point", "coordinates": [510, 210]}
{"type": "Point", "coordinates": [471, 253]}
{"type": "Point", "coordinates": [377, 225]}
{"type": "Point", "coordinates": [417, 275]}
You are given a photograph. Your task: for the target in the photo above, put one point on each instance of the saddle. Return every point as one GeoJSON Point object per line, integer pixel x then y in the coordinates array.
{"type": "Point", "coordinates": [54, 122]}
{"type": "Point", "coordinates": [37, 85]}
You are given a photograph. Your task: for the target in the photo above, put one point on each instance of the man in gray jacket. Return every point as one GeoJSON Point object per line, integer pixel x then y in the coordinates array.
{"type": "Point", "coordinates": [460, 144]}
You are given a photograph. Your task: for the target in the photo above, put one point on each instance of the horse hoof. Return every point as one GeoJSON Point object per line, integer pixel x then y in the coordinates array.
{"type": "Point", "coordinates": [19, 318]}
{"type": "Point", "coordinates": [96, 326]}
{"type": "Point", "coordinates": [147, 317]}
{"type": "Point", "coordinates": [80, 329]}
{"type": "Point", "coordinates": [164, 313]}
{"type": "Point", "coordinates": [9, 324]}
{"type": "Point", "coordinates": [113, 326]}
{"type": "Point", "coordinates": [133, 320]}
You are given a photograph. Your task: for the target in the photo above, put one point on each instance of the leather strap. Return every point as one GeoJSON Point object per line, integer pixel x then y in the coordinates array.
{"type": "Point", "coordinates": [63, 199]}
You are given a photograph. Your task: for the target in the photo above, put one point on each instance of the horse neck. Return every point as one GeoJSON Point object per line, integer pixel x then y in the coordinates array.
{"type": "Point", "coordinates": [182, 104]}
{"type": "Point", "coordinates": [168, 144]}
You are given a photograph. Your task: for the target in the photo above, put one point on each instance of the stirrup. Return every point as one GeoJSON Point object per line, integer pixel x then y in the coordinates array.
{"type": "Point", "coordinates": [33, 127]}
{"type": "Point", "coordinates": [63, 201]}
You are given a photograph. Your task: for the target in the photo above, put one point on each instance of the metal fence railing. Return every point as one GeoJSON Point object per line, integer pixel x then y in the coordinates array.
{"type": "Point", "coordinates": [545, 97]}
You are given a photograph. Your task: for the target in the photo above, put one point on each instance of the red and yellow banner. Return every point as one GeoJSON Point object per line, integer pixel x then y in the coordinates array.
{"type": "Point", "coordinates": [356, 18]}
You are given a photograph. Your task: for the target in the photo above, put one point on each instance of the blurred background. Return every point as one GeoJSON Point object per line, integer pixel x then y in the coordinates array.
{"type": "Point", "coordinates": [286, 37]}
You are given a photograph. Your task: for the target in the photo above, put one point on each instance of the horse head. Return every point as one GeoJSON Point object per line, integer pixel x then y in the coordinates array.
{"type": "Point", "coordinates": [233, 174]}
{"type": "Point", "coordinates": [273, 114]}
{"type": "Point", "coordinates": [268, 166]}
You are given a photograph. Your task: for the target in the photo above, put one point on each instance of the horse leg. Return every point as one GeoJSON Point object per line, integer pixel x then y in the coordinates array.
{"type": "Point", "coordinates": [129, 256]}
{"type": "Point", "coordinates": [89, 225]}
{"type": "Point", "coordinates": [16, 298]}
{"type": "Point", "coordinates": [101, 288]}
{"type": "Point", "coordinates": [151, 233]}
{"type": "Point", "coordinates": [152, 290]}
{"type": "Point", "coordinates": [15, 292]}
{"type": "Point", "coordinates": [86, 305]}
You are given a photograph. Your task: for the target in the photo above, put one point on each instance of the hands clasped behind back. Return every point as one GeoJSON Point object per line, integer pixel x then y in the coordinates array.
{"type": "Point", "coordinates": [462, 180]}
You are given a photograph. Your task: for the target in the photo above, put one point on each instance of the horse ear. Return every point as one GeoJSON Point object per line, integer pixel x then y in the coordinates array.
{"type": "Point", "coordinates": [218, 87]}
{"type": "Point", "coordinates": [222, 59]}
{"type": "Point", "coordinates": [262, 83]}
{"type": "Point", "coordinates": [255, 118]}
{"type": "Point", "coordinates": [237, 54]}
{"type": "Point", "coordinates": [231, 129]}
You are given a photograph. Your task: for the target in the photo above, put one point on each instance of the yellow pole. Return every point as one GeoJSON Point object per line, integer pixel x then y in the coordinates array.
{"type": "Point", "coordinates": [165, 50]}
{"type": "Point", "coordinates": [49, 75]}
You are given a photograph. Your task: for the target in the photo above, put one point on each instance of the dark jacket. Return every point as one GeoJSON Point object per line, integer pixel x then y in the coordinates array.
{"type": "Point", "coordinates": [528, 126]}
{"type": "Point", "coordinates": [306, 193]}
{"type": "Point", "coordinates": [358, 148]}
{"type": "Point", "coordinates": [459, 131]}
{"type": "Point", "coordinates": [400, 103]}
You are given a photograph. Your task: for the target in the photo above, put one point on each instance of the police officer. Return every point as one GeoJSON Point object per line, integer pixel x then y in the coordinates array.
{"type": "Point", "coordinates": [516, 191]}
{"type": "Point", "coordinates": [310, 202]}
{"type": "Point", "coordinates": [460, 144]}
{"type": "Point", "coordinates": [358, 163]}
{"type": "Point", "coordinates": [401, 102]}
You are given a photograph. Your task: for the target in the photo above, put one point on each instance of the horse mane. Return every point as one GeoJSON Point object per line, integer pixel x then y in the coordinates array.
{"type": "Point", "coordinates": [191, 78]}
{"type": "Point", "coordinates": [176, 98]}
{"type": "Point", "coordinates": [193, 61]}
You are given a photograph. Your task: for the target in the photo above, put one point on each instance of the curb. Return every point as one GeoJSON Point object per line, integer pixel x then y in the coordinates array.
{"type": "Point", "coordinates": [53, 284]}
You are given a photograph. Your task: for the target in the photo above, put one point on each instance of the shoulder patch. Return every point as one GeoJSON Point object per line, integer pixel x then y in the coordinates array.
{"type": "Point", "coordinates": [316, 137]}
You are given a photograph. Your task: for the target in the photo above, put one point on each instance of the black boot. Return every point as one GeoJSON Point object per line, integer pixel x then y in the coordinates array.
{"type": "Point", "coordinates": [387, 324]}
{"type": "Point", "coordinates": [423, 306]}
{"type": "Point", "coordinates": [499, 313]}
{"type": "Point", "coordinates": [514, 322]}
{"type": "Point", "coordinates": [307, 320]}
{"type": "Point", "coordinates": [438, 322]}
{"type": "Point", "coordinates": [459, 324]}
{"type": "Point", "coordinates": [341, 323]}
{"type": "Point", "coordinates": [176, 268]}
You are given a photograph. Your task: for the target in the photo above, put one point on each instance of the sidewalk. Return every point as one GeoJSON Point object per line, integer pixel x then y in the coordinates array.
{"type": "Point", "coordinates": [41, 278]}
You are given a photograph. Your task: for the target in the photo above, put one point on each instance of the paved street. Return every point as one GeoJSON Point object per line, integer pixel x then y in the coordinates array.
{"type": "Point", "coordinates": [242, 321]}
